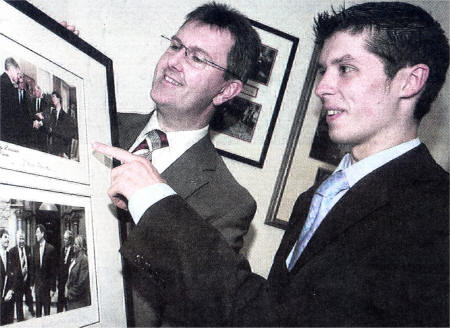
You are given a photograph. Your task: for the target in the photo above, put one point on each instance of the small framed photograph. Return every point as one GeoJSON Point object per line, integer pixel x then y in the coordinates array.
{"type": "Point", "coordinates": [249, 119]}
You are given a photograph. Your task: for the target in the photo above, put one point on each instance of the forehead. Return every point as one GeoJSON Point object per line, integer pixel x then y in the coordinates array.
{"type": "Point", "coordinates": [215, 42]}
{"type": "Point", "coordinates": [341, 45]}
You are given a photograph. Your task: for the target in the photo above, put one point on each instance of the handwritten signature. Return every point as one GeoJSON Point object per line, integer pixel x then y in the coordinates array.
{"type": "Point", "coordinates": [7, 150]}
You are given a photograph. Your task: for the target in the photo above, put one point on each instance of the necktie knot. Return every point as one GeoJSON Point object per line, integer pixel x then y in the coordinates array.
{"type": "Point", "coordinates": [154, 139]}
{"type": "Point", "coordinates": [333, 185]}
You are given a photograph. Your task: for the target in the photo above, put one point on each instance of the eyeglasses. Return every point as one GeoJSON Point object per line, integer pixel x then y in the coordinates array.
{"type": "Point", "coordinates": [195, 57]}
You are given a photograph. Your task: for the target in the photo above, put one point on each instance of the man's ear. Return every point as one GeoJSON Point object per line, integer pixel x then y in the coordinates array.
{"type": "Point", "coordinates": [414, 80]}
{"type": "Point", "coordinates": [231, 89]}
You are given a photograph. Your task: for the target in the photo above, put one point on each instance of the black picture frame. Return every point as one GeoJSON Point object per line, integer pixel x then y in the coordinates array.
{"type": "Point", "coordinates": [274, 76]}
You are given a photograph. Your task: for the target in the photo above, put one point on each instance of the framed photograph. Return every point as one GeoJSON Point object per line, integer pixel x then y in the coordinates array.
{"type": "Point", "coordinates": [242, 128]}
{"type": "Point", "coordinates": [21, 213]}
{"type": "Point", "coordinates": [309, 157]}
{"type": "Point", "coordinates": [61, 91]}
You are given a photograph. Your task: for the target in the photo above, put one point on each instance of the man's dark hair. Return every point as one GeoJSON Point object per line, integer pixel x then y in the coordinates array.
{"type": "Point", "coordinates": [400, 34]}
{"type": "Point", "coordinates": [57, 95]}
{"type": "Point", "coordinates": [3, 231]}
{"type": "Point", "coordinates": [10, 62]}
{"type": "Point", "coordinates": [42, 229]}
{"type": "Point", "coordinates": [244, 54]}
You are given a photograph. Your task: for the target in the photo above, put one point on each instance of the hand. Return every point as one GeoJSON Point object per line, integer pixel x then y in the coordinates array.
{"type": "Point", "coordinates": [40, 116]}
{"type": "Point", "coordinates": [36, 124]}
{"type": "Point", "coordinates": [70, 27]}
{"type": "Point", "coordinates": [135, 173]}
{"type": "Point", "coordinates": [8, 295]}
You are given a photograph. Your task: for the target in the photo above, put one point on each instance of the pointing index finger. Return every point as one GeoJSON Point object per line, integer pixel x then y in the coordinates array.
{"type": "Point", "coordinates": [114, 152]}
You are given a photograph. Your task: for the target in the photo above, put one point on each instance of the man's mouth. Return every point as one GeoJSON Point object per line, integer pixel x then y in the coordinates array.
{"type": "Point", "coordinates": [171, 81]}
{"type": "Point", "coordinates": [332, 112]}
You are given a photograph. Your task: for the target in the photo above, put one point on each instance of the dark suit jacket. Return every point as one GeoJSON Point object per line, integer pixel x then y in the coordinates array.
{"type": "Point", "coordinates": [8, 272]}
{"type": "Point", "coordinates": [39, 136]}
{"type": "Point", "coordinates": [78, 292]}
{"type": "Point", "coordinates": [44, 276]}
{"type": "Point", "coordinates": [379, 258]}
{"type": "Point", "coordinates": [15, 258]}
{"type": "Point", "coordinates": [62, 130]}
{"type": "Point", "coordinates": [201, 177]}
{"type": "Point", "coordinates": [15, 121]}
{"type": "Point", "coordinates": [63, 268]}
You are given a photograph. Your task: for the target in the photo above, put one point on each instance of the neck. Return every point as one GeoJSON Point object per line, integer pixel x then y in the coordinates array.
{"type": "Point", "coordinates": [169, 121]}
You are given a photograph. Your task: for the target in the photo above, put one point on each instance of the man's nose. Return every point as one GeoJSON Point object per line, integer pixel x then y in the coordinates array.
{"type": "Point", "coordinates": [326, 85]}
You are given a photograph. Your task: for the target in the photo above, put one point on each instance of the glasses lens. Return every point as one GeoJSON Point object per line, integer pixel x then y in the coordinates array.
{"type": "Point", "coordinates": [196, 59]}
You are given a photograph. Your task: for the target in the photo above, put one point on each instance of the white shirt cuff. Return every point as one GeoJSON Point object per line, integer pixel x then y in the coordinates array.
{"type": "Point", "coordinates": [145, 197]}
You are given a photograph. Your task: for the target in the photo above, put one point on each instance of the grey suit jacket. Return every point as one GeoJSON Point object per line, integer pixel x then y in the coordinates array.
{"type": "Point", "coordinates": [201, 178]}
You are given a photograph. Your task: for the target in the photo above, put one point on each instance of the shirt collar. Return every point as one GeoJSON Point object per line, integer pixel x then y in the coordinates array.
{"type": "Point", "coordinates": [356, 171]}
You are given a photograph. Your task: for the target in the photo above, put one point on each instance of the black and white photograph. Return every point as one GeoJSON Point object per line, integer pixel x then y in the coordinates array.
{"type": "Point", "coordinates": [266, 60]}
{"type": "Point", "coordinates": [237, 118]}
{"type": "Point", "coordinates": [42, 113]}
{"type": "Point", "coordinates": [38, 109]}
{"type": "Point", "coordinates": [46, 267]}
{"type": "Point", "coordinates": [256, 110]}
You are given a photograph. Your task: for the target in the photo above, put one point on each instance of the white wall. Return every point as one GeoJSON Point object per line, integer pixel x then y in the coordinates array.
{"type": "Point", "coordinates": [128, 31]}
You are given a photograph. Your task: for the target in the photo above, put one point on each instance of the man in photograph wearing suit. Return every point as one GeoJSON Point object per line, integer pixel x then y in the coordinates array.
{"type": "Point", "coordinates": [194, 75]}
{"type": "Point", "coordinates": [7, 280]}
{"type": "Point", "coordinates": [60, 127]}
{"type": "Point", "coordinates": [65, 258]}
{"type": "Point", "coordinates": [369, 246]}
{"type": "Point", "coordinates": [22, 259]}
{"type": "Point", "coordinates": [11, 125]}
{"type": "Point", "coordinates": [40, 108]}
{"type": "Point", "coordinates": [44, 275]}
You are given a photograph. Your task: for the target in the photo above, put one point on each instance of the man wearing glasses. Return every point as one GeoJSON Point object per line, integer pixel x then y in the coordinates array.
{"type": "Point", "coordinates": [206, 64]}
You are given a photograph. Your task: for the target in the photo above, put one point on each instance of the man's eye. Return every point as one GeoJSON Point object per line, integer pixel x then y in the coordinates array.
{"type": "Point", "coordinates": [175, 46]}
{"type": "Point", "coordinates": [321, 71]}
{"type": "Point", "coordinates": [197, 59]}
{"type": "Point", "coordinates": [345, 69]}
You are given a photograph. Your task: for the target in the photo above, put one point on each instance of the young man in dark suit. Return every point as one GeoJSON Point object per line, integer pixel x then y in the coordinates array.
{"type": "Point", "coordinates": [44, 275]}
{"type": "Point", "coordinates": [23, 262]}
{"type": "Point", "coordinates": [377, 252]}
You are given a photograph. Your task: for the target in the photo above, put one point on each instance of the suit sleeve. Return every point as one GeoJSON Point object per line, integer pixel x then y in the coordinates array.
{"type": "Point", "coordinates": [200, 276]}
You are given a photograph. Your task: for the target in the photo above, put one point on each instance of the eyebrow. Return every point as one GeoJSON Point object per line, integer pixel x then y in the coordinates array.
{"type": "Point", "coordinates": [338, 60]}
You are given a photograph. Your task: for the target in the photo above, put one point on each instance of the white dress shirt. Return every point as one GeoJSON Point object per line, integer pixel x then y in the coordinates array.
{"type": "Point", "coordinates": [179, 142]}
{"type": "Point", "coordinates": [356, 171]}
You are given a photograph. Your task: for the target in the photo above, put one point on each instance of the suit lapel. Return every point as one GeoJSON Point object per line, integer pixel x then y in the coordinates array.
{"type": "Point", "coordinates": [367, 195]}
{"type": "Point", "coordinates": [195, 166]}
{"type": "Point", "coordinates": [130, 126]}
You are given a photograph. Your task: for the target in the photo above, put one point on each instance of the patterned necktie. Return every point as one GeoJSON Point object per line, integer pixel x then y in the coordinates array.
{"type": "Point", "coordinates": [154, 139]}
{"type": "Point", "coordinates": [23, 264]}
{"type": "Point", "coordinates": [320, 206]}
